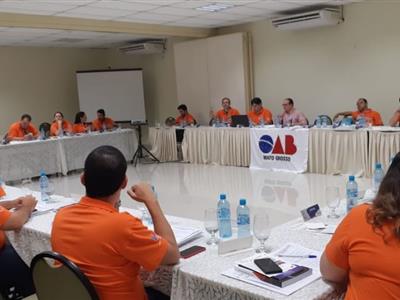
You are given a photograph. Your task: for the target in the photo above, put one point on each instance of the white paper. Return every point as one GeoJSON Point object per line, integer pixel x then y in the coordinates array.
{"type": "Point", "coordinates": [330, 229]}
{"type": "Point", "coordinates": [315, 226]}
{"type": "Point", "coordinates": [298, 250]}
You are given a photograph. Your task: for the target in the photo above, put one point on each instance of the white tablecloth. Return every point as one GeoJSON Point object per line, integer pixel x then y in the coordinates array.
{"type": "Point", "coordinates": [222, 146]}
{"type": "Point", "coordinates": [20, 160]}
{"type": "Point", "coordinates": [198, 277]}
{"type": "Point", "coordinates": [163, 143]}
{"type": "Point", "coordinates": [383, 146]}
{"type": "Point", "coordinates": [338, 152]}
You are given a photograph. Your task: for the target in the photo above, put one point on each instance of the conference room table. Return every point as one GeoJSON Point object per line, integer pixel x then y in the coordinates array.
{"type": "Point", "coordinates": [330, 151]}
{"type": "Point", "coordinates": [22, 160]}
{"type": "Point", "coordinates": [199, 277]}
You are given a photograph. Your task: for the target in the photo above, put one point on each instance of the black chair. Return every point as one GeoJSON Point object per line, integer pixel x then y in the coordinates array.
{"type": "Point", "coordinates": [328, 119]}
{"type": "Point", "coordinates": [61, 280]}
{"type": "Point", "coordinates": [46, 128]}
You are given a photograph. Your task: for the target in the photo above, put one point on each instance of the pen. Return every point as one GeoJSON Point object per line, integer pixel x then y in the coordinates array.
{"type": "Point", "coordinates": [298, 256]}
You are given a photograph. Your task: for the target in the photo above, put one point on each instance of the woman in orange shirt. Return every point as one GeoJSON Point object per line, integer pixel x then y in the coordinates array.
{"type": "Point", "coordinates": [59, 125]}
{"type": "Point", "coordinates": [363, 256]}
{"type": "Point", "coordinates": [80, 123]}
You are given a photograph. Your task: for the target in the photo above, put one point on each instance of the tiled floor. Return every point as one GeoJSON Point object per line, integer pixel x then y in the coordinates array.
{"type": "Point", "coordinates": [186, 190]}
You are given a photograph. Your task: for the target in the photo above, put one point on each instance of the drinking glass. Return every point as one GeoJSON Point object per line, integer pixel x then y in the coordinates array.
{"type": "Point", "coordinates": [211, 225]}
{"type": "Point", "coordinates": [261, 230]}
{"type": "Point", "coordinates": [332, 200]}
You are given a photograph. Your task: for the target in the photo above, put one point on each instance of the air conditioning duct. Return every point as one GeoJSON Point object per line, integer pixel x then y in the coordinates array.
{"type": "Point", "coordinates": [144, 47]}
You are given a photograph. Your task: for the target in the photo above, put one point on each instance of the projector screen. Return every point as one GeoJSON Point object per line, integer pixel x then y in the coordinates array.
{"type": "Point", "coordinates": [118, 92]}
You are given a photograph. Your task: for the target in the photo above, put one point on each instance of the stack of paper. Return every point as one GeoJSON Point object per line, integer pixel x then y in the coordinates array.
{"type": "Point", "coordinates": [290, 253]}
{"type": "Point", "coordinates": [184, 235]}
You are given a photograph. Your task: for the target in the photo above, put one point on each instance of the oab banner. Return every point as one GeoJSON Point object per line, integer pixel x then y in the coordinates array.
{"type": "Point", "coordinates": [278, 149]}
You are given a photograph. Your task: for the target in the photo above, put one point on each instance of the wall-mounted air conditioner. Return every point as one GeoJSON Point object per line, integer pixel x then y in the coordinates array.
{"type": "Point", "coordinates": [148, 47]}
{"type": "Point", "coordinates": [315, 18]}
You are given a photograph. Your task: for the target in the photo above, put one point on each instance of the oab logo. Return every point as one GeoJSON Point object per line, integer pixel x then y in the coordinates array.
{"type": "Point", "coordinates": [268, 145]}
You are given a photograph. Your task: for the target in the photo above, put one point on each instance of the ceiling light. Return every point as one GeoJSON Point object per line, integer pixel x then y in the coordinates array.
{"type": "Point", "coordinates": [216, 7]}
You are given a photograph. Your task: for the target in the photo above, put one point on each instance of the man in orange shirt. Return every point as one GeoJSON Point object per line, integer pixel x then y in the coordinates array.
{"type": "Point", "coordinates": [102, 123]}
{"type": "Point", "coordinates": [60, 126]}
{"type": "Point", "coordinates": [372, 117]}
{"type": "Point", "coordinates": [112, 260]}
{"type": "Point", "coordinates": [22, 130]}
{"type": "Point", "coordinates": [184, 117]}
{"type": "Point", "coordinates": [258, 114]}
{"type": "Point", "coordinates": [225, 114]}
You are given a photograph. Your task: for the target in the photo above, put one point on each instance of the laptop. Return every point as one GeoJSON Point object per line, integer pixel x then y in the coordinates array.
{"type": "Point", "coordinates": [241, 120]}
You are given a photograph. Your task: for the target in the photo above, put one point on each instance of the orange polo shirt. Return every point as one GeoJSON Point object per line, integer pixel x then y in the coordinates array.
{"type": "Point", "coordinates": [370, 114]}
{"type": "Point", "coordinates": [4, 216]}
{"type": "Point", "coordinates": [108, 246]}
{"type": "Point", "coordinates": [16, 131]}
{"type": "Point", "coordinates": [65, 125]}
{"type": "Point", "coordinates": [97, 124]}
{"type": "Point", "coordinates": [372, 263]}
{"type": "Point", "coordinates": [79, 128]}
{"type": "Point", "coordinates": [188, 118]}
{"type": "Point", "coordinates": [256, 117]}
{"type": "Point", "coordinates": [224, 116]}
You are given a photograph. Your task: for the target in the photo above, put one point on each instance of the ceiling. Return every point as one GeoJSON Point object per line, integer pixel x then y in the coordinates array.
{"type": "Point", "coordinates": [161, 12]}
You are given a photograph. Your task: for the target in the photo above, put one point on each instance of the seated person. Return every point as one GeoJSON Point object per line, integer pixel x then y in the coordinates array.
{"type": "Point", "coordinates": [291, 116]}
{"type": "Point", "coordinates": [60, 126]}
{"type": "Point", "coordinates": [112, 260]}
{"type": "Point", "coordinates": [102, 123]}
{"type": "Point", "coordinates": [362, 257]}
{"type": "Point", "coordinates": [170, 121]}
{"type": "Point", "coordinates": [184, 117]}
{"type": "Point", "coordinates": [258, 114]}
{"type": "Point", "coordinates": [80, 125]}
{"type": "Point", "coordinates": [372, 117]}
{"type": "Point", "coordinates": [14, 273]}
{"type": "Point", "coordinates": [23, 130]}
{"type": "Point", "coordinates": [225, 114]}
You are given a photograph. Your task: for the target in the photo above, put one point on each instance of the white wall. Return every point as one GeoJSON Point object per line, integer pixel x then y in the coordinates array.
{"type": "Point", "coordinates": [40, 81]}
{"type": "Point", "coordinates": [326, 69]}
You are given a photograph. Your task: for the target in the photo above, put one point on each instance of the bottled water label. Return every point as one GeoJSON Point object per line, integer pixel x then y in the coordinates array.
{"type": "Point", "coordinates": [224, 213]}
{"type": "Point", "coordinates": [243, 220]}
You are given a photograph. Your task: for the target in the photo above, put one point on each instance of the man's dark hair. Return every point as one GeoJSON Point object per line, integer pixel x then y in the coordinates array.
{"type": "Point", "coordinates": [104, 172]}
{"type": "Point", "coordinates": [364, 100]}
{"type": "Point", "coordinates": [290, 100]}
{"type": "Point", "coordinates": [101, 111]}
{"type": "Point", "coordinates": [78, 117]}
{"type": "Point", "coordinates": [256, 100]}
{"type": "Point", "coordinates": [226, 98]}
{"type": "Point", "coordinates": [26, 116]}
{"type": "Point", "coordinates": [182, 107]}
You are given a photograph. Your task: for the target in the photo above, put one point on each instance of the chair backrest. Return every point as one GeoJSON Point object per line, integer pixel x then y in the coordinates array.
{"type": "Point", "coordinates": [328, 119]}
{"type": "Point", "coordinates": [46, 128]}
{"type": "Point", "coordinates": [61, 280]}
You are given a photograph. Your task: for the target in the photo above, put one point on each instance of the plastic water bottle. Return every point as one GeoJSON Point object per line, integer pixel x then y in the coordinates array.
{"type": "Point", "coordinates": [243, 219]}
{"type": "Point", "coordinates": [44, 186]}
{"type": "Point", "coordinates": [324, 122]}
{"type": "Point", "coordinates": [224, 217]}
{"type": "Point", "coordinates": [378, 177]}
{"type": "Point", "coordinates": [351, 193]}
{"type": "Point", "coordinates": [318, 122]}
{"type": "Point", "coordinates": [42, 134]}
{"type": "Point", "coordinates": [262, 121]}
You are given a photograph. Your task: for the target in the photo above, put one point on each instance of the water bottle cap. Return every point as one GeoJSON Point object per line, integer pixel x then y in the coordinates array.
{"type": "Point", "coordinates": [222, 197]}
{"type": "Point", "coordinates": [352, 178]}
{"type": "Point", "coordinates": [42, 172]}
{"type": "Point", "coordinates": [242, 202]}
{"type": "Point", "coordinates": [378, 166]}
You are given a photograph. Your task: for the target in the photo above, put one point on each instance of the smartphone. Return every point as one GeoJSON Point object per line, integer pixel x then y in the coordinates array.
{"type": "Point", "coordinates": [267, 265]}
{"type": "Point", "coordinates": [192, 251]}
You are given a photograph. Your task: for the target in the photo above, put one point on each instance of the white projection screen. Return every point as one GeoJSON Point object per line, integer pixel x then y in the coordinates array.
{"type": "Point", "coordinates": [118, 92]}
